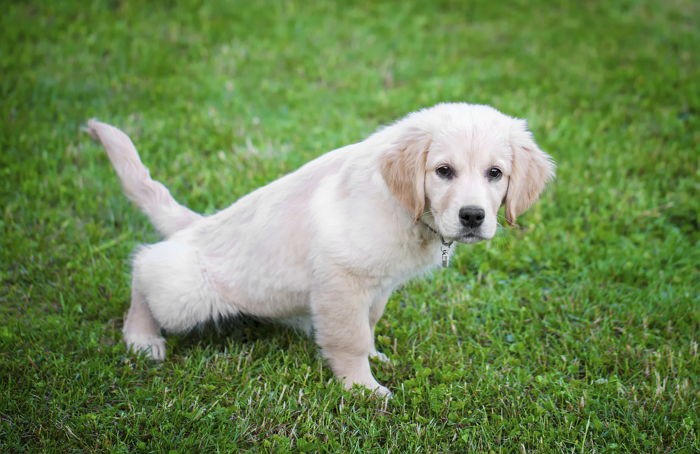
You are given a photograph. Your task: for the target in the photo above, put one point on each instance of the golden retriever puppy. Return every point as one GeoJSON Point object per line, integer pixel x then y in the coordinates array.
{"type": "Point", "coordinates": [322, 248]}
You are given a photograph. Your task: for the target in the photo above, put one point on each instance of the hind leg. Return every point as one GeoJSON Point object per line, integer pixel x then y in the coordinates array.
{"type": "Point", "coordinates": [172, 290]}
{"type": "Point", "coordinates": [141, 331]}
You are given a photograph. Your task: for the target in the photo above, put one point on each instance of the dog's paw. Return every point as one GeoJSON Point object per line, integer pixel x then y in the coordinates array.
{"type": "Point", "coordinates": [384, 392]}
{"type": "Point", "coordinates": [372, 389]}
{"type": "Point", "coordinates": [151, 346]}
{"type": "Point", "coordinates": [379, 356]}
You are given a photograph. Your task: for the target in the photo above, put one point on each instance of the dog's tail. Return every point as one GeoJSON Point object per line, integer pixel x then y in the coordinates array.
{"type": "Point", "coordinates": [150, 196]}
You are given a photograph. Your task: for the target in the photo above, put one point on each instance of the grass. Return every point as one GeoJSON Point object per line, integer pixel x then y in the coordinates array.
{"type": "Point", "coordinates": [576, 333]}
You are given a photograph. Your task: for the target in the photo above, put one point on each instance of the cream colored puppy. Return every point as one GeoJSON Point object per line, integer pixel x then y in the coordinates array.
{"type": "Point", "coordinates": [322, 248]}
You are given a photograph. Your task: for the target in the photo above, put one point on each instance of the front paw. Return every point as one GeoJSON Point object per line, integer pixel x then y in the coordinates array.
{"type": "Point", "coordinates": [372, 385]}
{"type": "Point", "coordinates": [151, 346]}
{"type": "Point", "coordinates": [379, 356]}
{"type": "Point", "coordinates": [383, 391]}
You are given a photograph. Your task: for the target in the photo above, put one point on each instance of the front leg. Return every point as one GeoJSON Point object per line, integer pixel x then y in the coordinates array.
{"type": "Point", "coordinates": [375, 313]}
{"type": "Point", "coordinates": [340, 310]}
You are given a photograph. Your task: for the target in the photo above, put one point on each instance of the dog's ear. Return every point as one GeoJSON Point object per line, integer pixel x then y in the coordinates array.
{"type": "Point", "coordinates": [403, 169]}
{"type": "Point", "coordinates": [531, 168]}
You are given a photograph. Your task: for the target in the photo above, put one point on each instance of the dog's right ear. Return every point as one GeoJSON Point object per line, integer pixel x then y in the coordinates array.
{"type": "Point", "coordinates": [532, 170]}
{"type": "Point", "coordinates": [403, 169]}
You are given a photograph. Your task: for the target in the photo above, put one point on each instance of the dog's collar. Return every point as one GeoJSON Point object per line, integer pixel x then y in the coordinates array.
{"type": "Point", "coordinates": [445, 248]}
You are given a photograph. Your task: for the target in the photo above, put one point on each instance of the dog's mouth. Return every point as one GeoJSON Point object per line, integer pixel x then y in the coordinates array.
{"type": "Point", "coordinates": [465, 235]}
{"type": "Point", "coordinates": [471, 237]}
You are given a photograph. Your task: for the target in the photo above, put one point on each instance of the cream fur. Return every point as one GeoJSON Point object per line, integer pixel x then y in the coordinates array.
{"type": "Point", "coordinates": [322, 248]}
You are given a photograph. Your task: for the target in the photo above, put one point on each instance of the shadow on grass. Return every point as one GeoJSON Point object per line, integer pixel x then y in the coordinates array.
{"type": "Point", "coordinates": [219, 336]}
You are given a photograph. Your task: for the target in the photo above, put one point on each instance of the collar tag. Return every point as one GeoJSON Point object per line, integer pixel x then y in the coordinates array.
{"type": "Point", "coordinates": [445, 248]}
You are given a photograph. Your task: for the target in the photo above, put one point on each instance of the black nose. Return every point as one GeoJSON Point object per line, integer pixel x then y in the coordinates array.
{"type": "Point", "coordinates": [471, 216]}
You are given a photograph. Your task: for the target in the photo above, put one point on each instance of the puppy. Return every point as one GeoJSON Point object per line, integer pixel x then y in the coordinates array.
{"type": "Point", "coordinates": [322, 248]}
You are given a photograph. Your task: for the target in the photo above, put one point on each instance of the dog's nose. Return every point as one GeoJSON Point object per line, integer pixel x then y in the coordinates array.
{"type": "Point", "coordinates": [471, 216]}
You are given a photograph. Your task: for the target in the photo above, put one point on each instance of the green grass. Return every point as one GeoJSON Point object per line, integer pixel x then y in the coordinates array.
{"type": "Point", "coordinates": [576, 333]}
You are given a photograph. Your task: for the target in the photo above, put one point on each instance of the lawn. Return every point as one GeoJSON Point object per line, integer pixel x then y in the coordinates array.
{"type": "Point", "coordinates": [576, 332]}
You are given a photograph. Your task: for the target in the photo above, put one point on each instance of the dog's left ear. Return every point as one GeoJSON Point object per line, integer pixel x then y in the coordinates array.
{"type": "Point", "coordinates": [532, 169]}
{"type": "Point", "coordinates": [403, 169]}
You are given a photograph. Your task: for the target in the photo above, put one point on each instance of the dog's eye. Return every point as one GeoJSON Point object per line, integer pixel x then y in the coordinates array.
{"type": "Point", "coordinates": [445, 171]}
{"type": "Point", "coordinates": [494, 173]}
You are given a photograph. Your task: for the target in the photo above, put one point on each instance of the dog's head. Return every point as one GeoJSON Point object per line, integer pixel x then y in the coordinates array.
{"type": "Point", "coordinates": [454, 165]}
